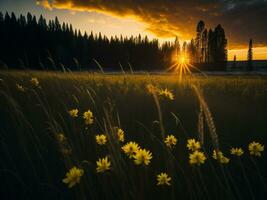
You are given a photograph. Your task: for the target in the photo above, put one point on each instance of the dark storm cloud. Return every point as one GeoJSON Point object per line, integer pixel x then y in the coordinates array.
{"type": "Point", "coordinates": [242, 19]}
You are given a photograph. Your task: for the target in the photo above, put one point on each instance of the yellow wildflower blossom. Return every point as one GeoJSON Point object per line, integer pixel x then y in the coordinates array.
{"type": "Point", "coordinates": [237, 151]}
{"type": "Point", "coordinates": [193, 145]}
{"type": "Point", "coordinates": [197, 158]}
{"type": "Point", "coordinates": [218, 155]}
{"type": "Point", "coordinates": [142, 156]}
{"type": "Point", "coordinates": [101, 139]}
{"type": "Point", "coordinates": [103, 164]}
{"type": "Point", "coordinates": [73, 176]}
{"type": "Point", "coordinates": [130, 149]}
{"type": "Point", "coordinates": [120, 134]}
{"type": "Point", "coordinates": [151, 88]}
{"type": "Point", "coordinates": [35, 82]}
{"type": "Point", "coordinates": [20, 88]}
{"type": "Point", "coordinates": [61, 138]}
{"type": "Point", "coordinates": [255, 148]}
{"type": "Point", "coordinates": [170, 141]}
{"type": "Point", "coordinates": [163, 179]}
{"type": "Point", "coordinates": [74, 112]}
{"type": "Point", "coordinates": [166, 93]}
{"type": "Point", "coordinates": [224, 160]}
{"type": "Point", "coordinates": [88, 117]}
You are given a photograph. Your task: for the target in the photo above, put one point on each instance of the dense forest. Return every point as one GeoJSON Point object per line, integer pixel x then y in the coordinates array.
{"type": "Point", "coordinates": [31, 43]}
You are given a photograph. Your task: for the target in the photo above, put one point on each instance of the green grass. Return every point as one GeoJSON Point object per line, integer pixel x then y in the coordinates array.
{"type": "Point", "coordinates": [32, 163]}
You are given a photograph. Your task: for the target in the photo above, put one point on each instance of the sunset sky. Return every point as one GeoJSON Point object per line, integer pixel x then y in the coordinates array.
{"type": "Point", "coordinates": [162, 19]}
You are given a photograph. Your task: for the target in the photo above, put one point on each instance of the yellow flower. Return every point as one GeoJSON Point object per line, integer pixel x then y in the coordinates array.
{"type": "Point", "coordinates": [120, 134]}
{"type": "Point", "coordinates": [20, 88]}
{"type": "Point", "coordinates": [101, 139]}
{"type": "Point", "coordinates": [103, 164]}
{"type": "Point", "coordinates": [166, 93]}
{"type": "Point", "coordinates": [88, 117]}
{"type": "Point", "coordinates": [130, 149]}
{"type": "Point", "coordinates": [218, 155]}
{"type": "Point", "coordinates": [193, 145]}
{"type": "Point", "coordinates": [35, 82]}
{"type": "Point", "coordinates": [197, 157]}
{"type": "Point", "coordinates": [255, 148]}
{"type": "Point", "coordinates": [61, 138]}
{"type": "Point", "coordinates": [73, 176]}
{"type": "Point", "coordinates": [237, 151]}
{"type": "Point", "coordinates": [170, 141]}
{"type": "Point", "coordinates": [142, 156]}
{"type": "Point", "coordinates": [74, 112]}
{"type": "Point", "coordinates": [163, 179]}
{"type": "Point", "coordinates": [224, 160]}
{"type": "Point", "coordinates": [151, 88]}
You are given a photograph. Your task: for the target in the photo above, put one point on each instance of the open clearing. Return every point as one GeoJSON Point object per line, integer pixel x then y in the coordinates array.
{"type": "Point", "coordinates": [34, 161]}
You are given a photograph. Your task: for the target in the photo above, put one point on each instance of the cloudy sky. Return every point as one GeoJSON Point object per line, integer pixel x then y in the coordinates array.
{"type": "Point", "coordinates": [162, 19]}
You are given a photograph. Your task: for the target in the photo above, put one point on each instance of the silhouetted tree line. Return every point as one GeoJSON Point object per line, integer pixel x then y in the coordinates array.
{"type": "Point", "coordinates": [207, 50]}
{"type": "Point", "coordinates": [28, 42]}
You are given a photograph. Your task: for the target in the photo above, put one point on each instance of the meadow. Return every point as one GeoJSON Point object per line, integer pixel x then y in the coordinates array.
{"type": "Point", "coordinates": [50, 120]}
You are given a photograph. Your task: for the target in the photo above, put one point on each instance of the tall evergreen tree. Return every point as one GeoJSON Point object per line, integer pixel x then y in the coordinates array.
{"type": "Point", "coordinates": [204, 46]}
{"type": "Point", "coordinates": [200, 29]}
{"type": "Point", "coordinates": [192, 51]}
{"type": "Point", "coordinates": [184, 49]}
{"type": "Point", "coordinates": [250, 56]}
{"type": "Point", "coordinates": [57, 25]}
{"type": "Point", "coordinates": [42, 22]}
{"type": "Point", "coordinates": [221, 44]}
{"type": "Point", "coordinates": [234, 62]}
{"type": "Point", "coordinates": [29, 18]}
{"type": "Point", "coordinates": [1, 18]}
{"type": "Point", "coordinates": [7, 18]}
{"type": "Point", "coordinates": [22, 21]}
{"type": "Point", "coordinates": [177, 47]}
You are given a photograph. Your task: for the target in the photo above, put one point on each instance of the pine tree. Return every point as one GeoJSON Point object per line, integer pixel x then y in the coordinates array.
{"type": "Point", "coordinates": [7, 18]}
{"type": "Point", "coordinates": [22, 21]}
{"type": "Point", "coordinates": [184, 49]}
{"type": "Point", "coordinates": [200, 29]}
{"type": "Point", "coordinates": [1, 18]}
{"type": "Point", "coordinates": [250, 56]}
{"type": "Point", "coordinates": [219, 47]}
{"type": "Point", "coordinates": [234, 62]}
{"type": "Point", "coordinates": [204, 46]}
{"type": "Point", "coordinates": [177, 47]}
{"type": "Point", "coordinates": [29, 18]}
{"type": "Point", "coordinates": [192, 51]}
{"type": "Point", "coordinates": [57, 25]}
{"type": "Point", "coordinates": [210, 46]}
{"type": "Point", "coordinates": [42, 22]}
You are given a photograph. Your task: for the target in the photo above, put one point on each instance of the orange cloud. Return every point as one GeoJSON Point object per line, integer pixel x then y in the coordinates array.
{"type": "Point", "coordinates": [167, 18]}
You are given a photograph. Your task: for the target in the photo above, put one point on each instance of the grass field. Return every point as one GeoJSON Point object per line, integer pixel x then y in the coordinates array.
{"type": "Point", "coordinates": [40, 142]}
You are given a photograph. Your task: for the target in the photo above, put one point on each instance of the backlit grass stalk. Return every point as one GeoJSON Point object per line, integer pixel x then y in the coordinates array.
{"type": "Point", "coordinates": [162, 130]}
{"type": "Point", "coordinates": [208, 116]}
{"type": "Point", "coordinates": [201, 125]}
